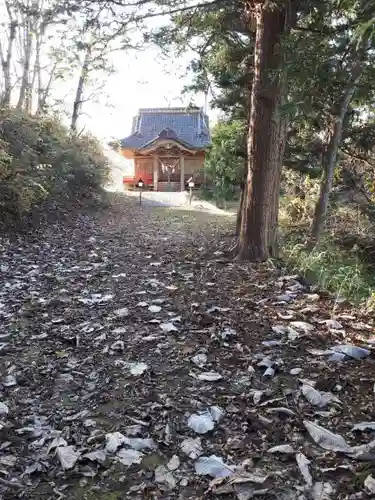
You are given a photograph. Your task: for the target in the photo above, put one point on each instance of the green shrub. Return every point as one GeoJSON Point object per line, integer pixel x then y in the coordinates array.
{"type": "Point", "coordinates": [41, 162]}
{"type": "Point", "coordinates": [225, 161]}
{"type": "Point", "coordinates": [332, 268]}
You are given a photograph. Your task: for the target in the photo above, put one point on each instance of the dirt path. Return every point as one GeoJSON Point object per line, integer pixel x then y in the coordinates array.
{"type": "Point", "coordinates": [117, 331]}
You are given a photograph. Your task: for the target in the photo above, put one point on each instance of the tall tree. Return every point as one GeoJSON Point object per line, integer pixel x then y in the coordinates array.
{"type": "Point", "coordinates": [82, 81]}
{"type": "Point", "coordinates": [354, 52]}
{"type": "Point", "coordinates": [100, 36]}
{"type": "Point", "coordinates": [45, 56]}
{"type": "Point", "coordinates": [333, 142]}
{"type": "Point", "coordinates": [267, 132]}
{"type": "Point", "coordinates": [27, 38]}
{"type": "Point", "coordinates": [6, 52]}
{"type": "Point", "coordinates": [26, 24]}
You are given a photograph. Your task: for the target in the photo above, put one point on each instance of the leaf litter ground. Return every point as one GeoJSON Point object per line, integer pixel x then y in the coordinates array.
{"type": "Point", "coordinates": [138, 361]}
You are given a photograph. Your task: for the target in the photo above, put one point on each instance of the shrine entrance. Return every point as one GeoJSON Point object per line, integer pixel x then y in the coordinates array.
{"type": "Point", "coordinates": [166, 163]}
{"type": "Point", "coordinates": [169, 173]}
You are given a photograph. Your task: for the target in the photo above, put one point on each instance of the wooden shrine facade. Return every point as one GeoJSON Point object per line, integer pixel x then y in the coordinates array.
{"type": "Point", "coordinates": [167, 168]}
{"type": "Point", "coordinates": [167, 147]}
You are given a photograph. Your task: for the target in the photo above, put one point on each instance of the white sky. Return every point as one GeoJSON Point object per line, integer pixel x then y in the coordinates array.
{"type": "Point", "coordinates": [142, 80]}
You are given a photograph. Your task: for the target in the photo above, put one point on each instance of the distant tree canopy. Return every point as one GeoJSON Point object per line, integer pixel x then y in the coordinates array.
{"type": "Point", "coordinates": [226, 159]}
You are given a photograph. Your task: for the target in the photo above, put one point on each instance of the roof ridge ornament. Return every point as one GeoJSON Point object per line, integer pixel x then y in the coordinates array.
{"type": "Point", "coordinates": [170, 110]}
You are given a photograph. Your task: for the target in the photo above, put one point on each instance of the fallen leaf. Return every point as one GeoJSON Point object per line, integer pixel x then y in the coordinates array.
{"type": "Point", "coordinates": [227, 332]}
{"type": "Point", "coordinates": [201, 422]}
{"type": "Point", "coordinates": [174, 463]}
{"type": "Point", "coordinates": [364, 426]}
{"type": "Point", "coordinates": [370, 484]}
{"type": "Point", "coordinates": [10, 381]}
{"type": "Point", "coordinates": [212, 466]}
{"type": "Point", "coordinates": [154, 309]}
{"type": "Point", "coordinates": [216, 412]}
{"type": "Point", "coordinates": [317, 398]}
{"type": "Point", "coordinates": [192, 447]}
{"type": "Point", "coordinates": [295, 371]}
{"type": "Point", "coordinates": [96, 456]}
{"type": "Point", "coordinates": [129, 457]}
{"type": "Point", "coordinates": [332, 323]}
{"type": "Point", "coordinates": [209, 376]}
{"type": "Point", "coordinates": [4, 410]}
{"type": "Point", "coordinates": [302, 325]}
{"type": "Point", "coordinates": [321, 491]}
{"type": "Point", "coordinates": [68, 456]}
{"type": "Point", "coordinates": [282, 448]}
{"type": "Point", "coordinates": [122, 313]}
{"type": "Point", "coordinates": [325, 438]}
{"type": "Point", "coordinates": [351, 350]}
{"type": "Point", "coordinates": [168, 327]}
{"type": "Point", "coordinates": [137, 369]}
{"type": "Point", "coordinates": [199, 360]}
{"type": "Point", "coordinates": [140, 443]}
{"type": "Point", "coordinates": [8, 460]}
{"type": "Point", "coordinates": [165, 476]}
{"type": "Point", "coordinates": [303, 464]}
{"type": "Point", "coordinates": [113, 441]}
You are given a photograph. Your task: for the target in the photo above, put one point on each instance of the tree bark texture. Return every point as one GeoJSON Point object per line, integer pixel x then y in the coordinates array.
{"type": "Point", "coordinates": [258, 234]}
{"type": "Point", "coordinates": [330, 156]}
{"type": "Point", "coordinates": [240, 208]}
{"type": "Point", "coordinates": [273, 246]}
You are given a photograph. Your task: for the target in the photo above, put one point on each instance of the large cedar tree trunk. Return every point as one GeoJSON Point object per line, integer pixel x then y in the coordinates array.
{"type": "Point", "coordinates": [330, 157]}
{"type": "Point", "coordinates": [266, 141]}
